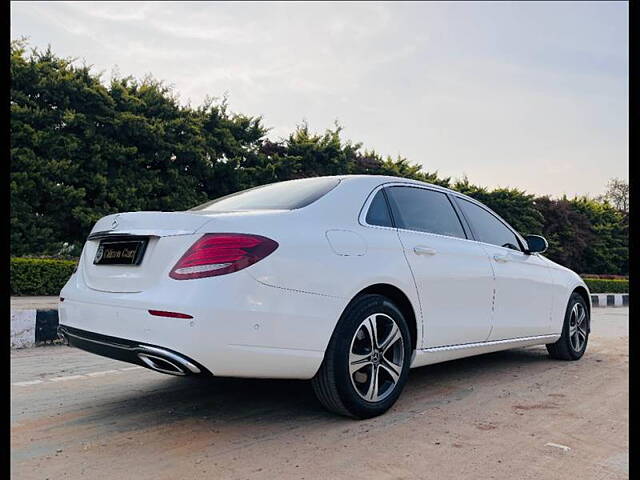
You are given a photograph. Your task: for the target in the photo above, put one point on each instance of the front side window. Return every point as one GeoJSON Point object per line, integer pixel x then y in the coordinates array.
{"type": "Point", "coordinates": [288, 195]}
{"type": "Point", "coordinates": [487, 227]}
{"type": "Point", "coordinates": [424, 210]}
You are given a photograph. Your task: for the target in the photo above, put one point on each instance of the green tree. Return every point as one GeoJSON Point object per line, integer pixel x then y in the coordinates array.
{"type": "Point", "coordinates": [568, 231]}
{"type": "Point", "coordinates": [308, 154]}
{"type": "Point", "coordinates": [516, 206]}
{"type": "Point", "coordinates": [82, 148]}
{"type": "Point", "coordinates": [607, 250]}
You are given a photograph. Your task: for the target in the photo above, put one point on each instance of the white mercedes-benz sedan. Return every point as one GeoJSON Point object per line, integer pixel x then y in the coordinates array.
{"type": "Point", "coordinates": [348, 281]}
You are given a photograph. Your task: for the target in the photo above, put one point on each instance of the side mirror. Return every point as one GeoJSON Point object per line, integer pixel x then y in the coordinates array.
{"type": "Point", "coordinates": [536, 244]}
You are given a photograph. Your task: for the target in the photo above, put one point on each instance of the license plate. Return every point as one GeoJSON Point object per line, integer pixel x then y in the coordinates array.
{"type": "Point", "coordinates": [120, 252]}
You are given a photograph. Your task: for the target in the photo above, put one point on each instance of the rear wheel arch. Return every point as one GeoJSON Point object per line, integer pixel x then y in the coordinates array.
{"type": "Point", "coordinates": [401, 301]}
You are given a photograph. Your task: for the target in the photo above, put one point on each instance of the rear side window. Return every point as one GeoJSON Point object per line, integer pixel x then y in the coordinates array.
{"type": "Point", "coordinates": [487, 227]}
{"type": "Point", "coordinates": [424, 211]}
{"type": "Point", "coordinates": [288, 195]}
{"type": "Point", "coordinates": [378, 213]}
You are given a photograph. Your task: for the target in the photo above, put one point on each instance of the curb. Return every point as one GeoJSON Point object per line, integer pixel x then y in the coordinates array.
{"type": "Point", "coordinates": [30, 327]}
{"type": "Point", "coordinates": [36, 326]}
{"type": "Point", "coordinates": [609, 299]}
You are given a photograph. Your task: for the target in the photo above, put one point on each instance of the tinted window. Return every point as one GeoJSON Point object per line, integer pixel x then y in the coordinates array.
{"type": "Point", "coordinates": [425, 211]}
{"type": "Point", "coordinates": [487, 227]}
{"type": "Point", "coordinates": [287, 195]}
{"type": "Point", "coordinates": [378, 213]}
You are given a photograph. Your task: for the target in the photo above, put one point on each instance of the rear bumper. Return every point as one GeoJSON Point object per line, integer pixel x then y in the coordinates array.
{"type": "Point", "coordinates": [154, 357]}
{"type": "Point", "coordinates": [239, 326]}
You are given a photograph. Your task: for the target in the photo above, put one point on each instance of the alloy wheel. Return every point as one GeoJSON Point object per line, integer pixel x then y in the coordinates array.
{"type": "Point", "coordinates": [578, 327]}
{"type": "Point", "coordinates": [376, 357]}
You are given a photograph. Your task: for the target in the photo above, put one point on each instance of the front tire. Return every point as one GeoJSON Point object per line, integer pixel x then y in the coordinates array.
{"type": "Point", "coordinates": [575, 332]}
{"type": "Point", "coordinates": [366, 364]}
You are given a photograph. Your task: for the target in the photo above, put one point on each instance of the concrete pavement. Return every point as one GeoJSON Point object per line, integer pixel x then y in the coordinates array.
{"type": "Point", "coordinates": [36, 303]}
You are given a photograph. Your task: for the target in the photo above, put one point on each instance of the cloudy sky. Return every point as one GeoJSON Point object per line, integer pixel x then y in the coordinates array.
{"type": "Point", "coordinates": [529, 95]}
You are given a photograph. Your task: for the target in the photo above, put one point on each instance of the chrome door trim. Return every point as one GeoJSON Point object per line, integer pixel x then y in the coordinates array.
{"type": "Point", "coordinates": [516, 340]}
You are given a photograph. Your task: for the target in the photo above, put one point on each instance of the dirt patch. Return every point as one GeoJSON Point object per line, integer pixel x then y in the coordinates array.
{"type": "Point", "coordinates": [535, 406]}
{"type": "Point", "coordinates": [486, 426]}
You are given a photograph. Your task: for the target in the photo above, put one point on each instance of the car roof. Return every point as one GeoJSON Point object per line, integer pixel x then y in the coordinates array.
{"type": "Point", "coordinates": [382, 179]}
{"type": "Point", "coordinates": [376, 180]}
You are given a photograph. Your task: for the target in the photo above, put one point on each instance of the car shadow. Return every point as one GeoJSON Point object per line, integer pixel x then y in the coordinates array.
{"type": "Point", "coordinates": [282, 405]}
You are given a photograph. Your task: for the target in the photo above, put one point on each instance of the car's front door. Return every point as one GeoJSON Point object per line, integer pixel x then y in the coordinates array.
{"type": "Point", "coordinates": [453, 275]}
{"type": "Point", "coordinates": [524, 289]}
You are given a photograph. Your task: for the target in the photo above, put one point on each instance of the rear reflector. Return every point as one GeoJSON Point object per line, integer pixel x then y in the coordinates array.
{"type": "Point", "coordinates": [161, 313]}
{"type": "Point", "coordinates": [221, 253]}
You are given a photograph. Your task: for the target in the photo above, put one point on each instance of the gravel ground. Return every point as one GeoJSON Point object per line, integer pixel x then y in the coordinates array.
{"type": "Point", "coordinates": [514, 414]}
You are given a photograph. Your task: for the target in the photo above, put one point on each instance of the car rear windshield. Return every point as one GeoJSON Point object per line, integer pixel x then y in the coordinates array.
{"type": "Point", "coordinates": [288, 195]}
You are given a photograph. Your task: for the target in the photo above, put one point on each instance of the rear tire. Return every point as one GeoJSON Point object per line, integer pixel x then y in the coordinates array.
{"type": "Point", "coordinates": [366, 364]}
{"type": "Point", "coordinates": [575, 332]}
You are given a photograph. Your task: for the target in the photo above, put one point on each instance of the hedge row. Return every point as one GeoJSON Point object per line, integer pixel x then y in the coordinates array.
{"type": "Point", "coordinates": [599, 285]}
{"type": "Point", "coordinates": [39, 276]}
{"type": "Point", "coordinates": [605, 276]}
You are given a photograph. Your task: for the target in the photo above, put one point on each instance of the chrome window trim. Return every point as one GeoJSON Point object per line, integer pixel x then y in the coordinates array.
{"type": "Point", "coordinates": [497, 217]}
{"type": "Point", "coordinates": [450, 193]}
{"type": "Point", "coordinates": [362, 217]}
{"type": "Point", "coordinates": [365, 209]}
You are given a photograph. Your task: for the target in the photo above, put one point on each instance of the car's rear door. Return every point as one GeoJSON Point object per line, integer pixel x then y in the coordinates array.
{"type": "Point", "coordinates": [524, 289]}
{"type": "Point", "coordinates": [453, 275]}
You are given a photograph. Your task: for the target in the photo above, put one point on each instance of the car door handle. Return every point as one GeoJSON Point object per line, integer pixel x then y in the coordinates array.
{"type": "Point", "coordinates": [421, 250]}
{"type": "Point", "coordinates": [501, 258]}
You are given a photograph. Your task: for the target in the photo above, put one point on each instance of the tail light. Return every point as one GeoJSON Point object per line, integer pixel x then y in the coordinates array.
{"type": "Point", "coordinates": [221, 253]}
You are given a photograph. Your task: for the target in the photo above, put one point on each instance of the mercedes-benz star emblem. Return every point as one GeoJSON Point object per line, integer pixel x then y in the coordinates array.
{"type": "Point", "coordinates": [99, 254]}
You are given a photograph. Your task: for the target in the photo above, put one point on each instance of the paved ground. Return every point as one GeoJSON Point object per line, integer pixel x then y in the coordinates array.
{"type": "Point", "coordinates": [513, 414]}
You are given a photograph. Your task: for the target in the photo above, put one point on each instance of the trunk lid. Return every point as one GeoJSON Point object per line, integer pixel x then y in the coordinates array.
{"type": "Point", "coordinates": [168, 235]}
{"type": "Point", "coordinates": [158, 224]}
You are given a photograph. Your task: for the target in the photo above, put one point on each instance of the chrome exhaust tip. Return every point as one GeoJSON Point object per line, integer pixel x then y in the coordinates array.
{"type": "Point", "coordinates": [155, 358]}
{"type": "Point", "coordinates": [61, 336]}
{"type": "Point", "coordinates": [160, 364]}
{"type": "Point", "coordinates": [164, 361]}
